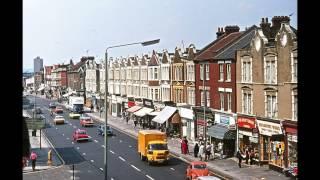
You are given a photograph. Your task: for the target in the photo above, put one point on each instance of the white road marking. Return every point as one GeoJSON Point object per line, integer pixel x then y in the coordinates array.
{"type": "Point", "coordinates": [112, 152]}
{"type": "Point", "coordinates": [72, 142]}
{"type": "Point", "coordinates": [68, 138]}
{"type": "Point", "coordinates": [56, 128]}
{"type": "Point", "coordinates": [78, 147]}
{"type": "Point", "coordinates": [149, 177]}
{"type": "Point", "coordinates": [95, 141]}
{"type": "Point", "coordinates": [70, 124]}
{"type": "Point", "coordinates": [103, 146]}
{"type": "Point", "coordinates": [120, 141]}
{"type": "Point", "coordinates": [130, 146]}
{"type": "Point", "coordinates": [92, 160]}
{"type": "Point", "coordinates": [75, 171]}
{"type": "Point", "coordinates": [83, 154]}
{"type": "Point", "coordinates": [172, 169]}
{"type": "Point", "coordinates": [62, 134]}
{"type": "Point", "coordinates": [111, 179]}
{"type": "Point", "coordinates": [89, 136]}
{"type": "Point", "coordinates": [74, 126]}
{"type": "Point", "coordinates": [112, 137]}
{"type": "Point", "coordinates": [101, 169]}
{"type": "Point", "coordinates": [135, 168]}
{"type": "Point", "coordinates": [121, 158]}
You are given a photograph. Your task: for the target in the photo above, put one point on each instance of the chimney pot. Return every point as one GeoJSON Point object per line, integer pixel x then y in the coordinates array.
{"type": "Point", "coordinates": [266, 20]}
{"type": "Point", "coordinates": [262, 21]}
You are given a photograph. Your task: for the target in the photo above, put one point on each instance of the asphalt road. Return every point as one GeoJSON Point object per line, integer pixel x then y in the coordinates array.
{"type": "Point", "coordinates": [123, 159]}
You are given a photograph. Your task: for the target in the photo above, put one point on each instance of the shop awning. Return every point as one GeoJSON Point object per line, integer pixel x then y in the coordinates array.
{"type": "Point", "coordinates": [186, 113]}
{"type": "Point", "coordinates": [221, 132]}
{"type": "Point", "coordinates": [143, 111]}
{"type": "Point", "coordinates": [134, 109]}
{"type": "Point", "coordinates": [67, 94]}
{"type": "Point", "coordinates": [40, 89]}
{"type": "Point", "coordinates": [269, 128]}
{"type": "Point", "coordinates": [154, 113]}
{"type": "Point", "coordinates": [165, 114]}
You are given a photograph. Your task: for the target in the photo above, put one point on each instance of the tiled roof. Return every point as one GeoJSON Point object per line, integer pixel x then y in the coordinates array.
{"type": "Point", "coordinates": [211, 50]}
{"type": "Point", "coordinates": [241, 42]}
{"type": "Point", "coordinates": [135, 61]}
{"type": "Point", "coordinates": [78, 65]}
{"type": "Point", "coordinates": [154, 60]}
{"type": "Point", "coordinates": [165, 58]}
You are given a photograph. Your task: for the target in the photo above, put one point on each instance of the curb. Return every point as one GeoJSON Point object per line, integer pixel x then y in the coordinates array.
{"type": "Point", "coordinates": [47, 139]}
{"type": "Point", "coordinates": [177, 155]}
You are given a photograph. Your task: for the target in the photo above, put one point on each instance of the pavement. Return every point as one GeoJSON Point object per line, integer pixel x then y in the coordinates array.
{"type": "Point", "coordinates": [41, 163]}
{"type": "Point", "coordinates": [225, 168]}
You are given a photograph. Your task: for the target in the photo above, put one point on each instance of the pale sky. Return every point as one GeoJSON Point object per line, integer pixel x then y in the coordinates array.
{"type": "Point", "coordinates": [58, 30]}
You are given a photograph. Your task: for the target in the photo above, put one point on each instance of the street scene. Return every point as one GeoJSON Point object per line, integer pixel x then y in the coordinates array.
{"type": "Point", "coordinates": [220, 105]}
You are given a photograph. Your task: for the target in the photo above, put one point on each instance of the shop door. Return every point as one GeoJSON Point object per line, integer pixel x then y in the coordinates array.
{"type": "Point", "coordinates": [189, 129]}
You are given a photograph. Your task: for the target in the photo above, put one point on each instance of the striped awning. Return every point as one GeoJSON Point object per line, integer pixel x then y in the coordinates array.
{"type": "Point", "coordinates": [221, 132]}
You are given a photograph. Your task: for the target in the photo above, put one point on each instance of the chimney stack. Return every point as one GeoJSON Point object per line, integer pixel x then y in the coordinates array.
{"type": "Point", "coordinates": [231, 29]}
{"type": "Point", "coordinates": [266, 27]}
{"type": "Point", "coordinates": [277, 20]}
{"type": "Point", "coordinates": [220, 32]}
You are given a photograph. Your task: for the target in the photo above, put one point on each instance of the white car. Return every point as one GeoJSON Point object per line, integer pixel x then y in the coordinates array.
{"type": "Point", "coordinates": [208, 178]}
{"type": "Point", "coordinates": [58, 120]}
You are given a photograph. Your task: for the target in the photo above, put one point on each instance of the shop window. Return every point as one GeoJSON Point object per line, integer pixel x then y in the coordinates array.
{"type": "Point", "coordinates": [277, 151]}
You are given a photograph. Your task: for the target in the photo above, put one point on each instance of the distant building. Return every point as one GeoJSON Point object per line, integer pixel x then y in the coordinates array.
{"type": "Point", "coordinates": [37, 64]}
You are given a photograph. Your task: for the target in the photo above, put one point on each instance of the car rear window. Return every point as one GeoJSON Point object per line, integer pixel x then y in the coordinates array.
{"type": "Point", "coordinates": [199, 166]}
{"type": "Point", "coordinates": [82, 132]}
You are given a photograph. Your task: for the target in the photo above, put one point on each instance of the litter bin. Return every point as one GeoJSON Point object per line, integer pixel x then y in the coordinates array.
{"type": "Point", "coordinates": [34, 133]}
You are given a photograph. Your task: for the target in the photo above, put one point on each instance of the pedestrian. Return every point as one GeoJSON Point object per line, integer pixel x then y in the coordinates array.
{"type": "Point", "coordinates": [201, 151]}
{"type": "Point", "coordinates": [220, 149]}
{"type": "Point", "coordinates": [91, 107]}
{"type": "Point", "coordinates": [135, 123]}
{"type": "Point", "coordinates": [247, 155]}
{"type": "Point", "coordinates": [212, 150]}
{"type": "Point", "coordinates": [183, 146]}
{"type": "Point", "coordinates": [239, 156]}
{"type": "Point", "coordinates": [127, 119]}
{"type": "Point", "coordinates": [208, 151]}
{"type": "Point", "coordinates": [33, 158]}
{"type": "Point", "coordinates": [196, 150]}
{"type": "Point", "coordinates": [187, 145]}
{"type": "Point", "coordinates": [251, 157]}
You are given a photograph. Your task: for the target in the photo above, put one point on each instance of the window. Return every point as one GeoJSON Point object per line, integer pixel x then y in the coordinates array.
{"type": "Point", "coordinates": [151, 94]}
{"type": "Point", "coordinates": [191, 96]}
{"type": "Point", "coordinates": [246, 69]}
{"type": "Point", "coordinates": [270, 69]}
{"type": "Point", "coordinates": [208, 98]}
{"type": "Point", "coordinates": [207, 72]}
{"type": "Point", "coordinates": [202, 98]}
{"type": "Point", "coordinates": [156, 94]}
{"type": "Point", "coordinates": [150, 76]}
{"type": "Point", "coordinates": [246, 102]}
{"type": "Point", "coordinates": [294, 66]}
{"type": "Point", "coordinates": [271, 105]}
{"type": "Point", "coordinates": [221, 72]}
{"type": "Point", "coordinates": [190, 73]}
{"type": "Point", "coordinates": [155, 73]}
{"type": "Point", "coordinates": [201, 71]}
{"type": "Point", "coordinates": [294, 106]}
{"type": "Point", "coordinates": [229, 101]}
{"type": "Point", "coordinates": [222, 101]}
{"type": "Point", "coordinates": [228, 72]}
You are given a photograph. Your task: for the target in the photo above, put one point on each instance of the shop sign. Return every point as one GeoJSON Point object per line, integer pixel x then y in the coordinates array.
{"type": "Point", "coordinates": [130, 104]}
{"type": "Point", "coordinates": [253, 139]}
{"type": "Point", "coordinates": [268, 128]}
{"type": "Point", "coordinates": [232, 127]}
{"type": "Point", "coordinates": [240, 136]}
{"type": "Point", "coordinates": [224, 120]}
{"type": "Point", "coordinates": [293, 138]}
{"type": "Point", "coordinates": [148, 103]}
{"type": "Point", "coordinates": [291, 130]}
{"type": "Point", "coordinates": [200, 122]}
{"type": "Point", "coordinates": [255, 134]}
{"type": "Point", "coordinates": [246, 122]}
{"type": "Point", "coordinates": [246, 133]}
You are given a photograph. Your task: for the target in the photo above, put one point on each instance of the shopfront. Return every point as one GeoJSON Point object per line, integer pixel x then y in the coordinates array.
{"type": "Point", "coordinates": [291, 143]}
{"type": "Point", "coordinates": [200, 121]}
{"type": "Point", "coordinates": [248, 134]}
{"type": "Point", "coordinates": [271, 142]}
{"type": "Point", "coordinates": [167, 121]}
{"type": "Point", "coordinates": [142, 114]}
{"type": "Point", "coordinates": [187, 123]}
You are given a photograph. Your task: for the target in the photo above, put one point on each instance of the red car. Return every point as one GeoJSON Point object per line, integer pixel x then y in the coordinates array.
{"type": "Point", "coordinates": [86, 121]}
{"type": "Point", "coordinates": [196, 169]}
{"type": "Point", "coordinates": [79, 135]}
{"type": "Point", "coordinates": [58, 110]}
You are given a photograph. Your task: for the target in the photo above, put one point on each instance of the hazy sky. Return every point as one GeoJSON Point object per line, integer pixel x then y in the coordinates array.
{"type": "Point", "coordinates": [58, 30]}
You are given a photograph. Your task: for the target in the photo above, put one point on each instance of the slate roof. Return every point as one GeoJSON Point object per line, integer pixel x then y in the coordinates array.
{"type": "Point", "coordinates": [211, 50]}
{"type": "Point", "coordinates": [78, 65]}
{"type": "Point", "coordinates": [154, 59]}
{"type": "Point", "coordinates": [241, 42]}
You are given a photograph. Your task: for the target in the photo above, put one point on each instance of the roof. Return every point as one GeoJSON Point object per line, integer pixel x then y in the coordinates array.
{"type": "Point", "coordinates": [241, 42]}
{"type": "Point", "coordinates": [150, 132]}
{"type": "Point", "coordinates": [214, 47]}
{"type": "Point", "coordinates": [154, 59]}
{"type": "Point", "coordinates": [165, 58]}
{"type": "Point", "coordinates": [135, 61]}
{"type": "Point", "coordinates": [78, 65]}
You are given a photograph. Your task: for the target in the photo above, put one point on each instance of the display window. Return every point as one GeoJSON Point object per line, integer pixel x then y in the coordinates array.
{"type": "Point", "coordinates": [292, 154]}
{"type": "Point", "coordinates": [277, 152]}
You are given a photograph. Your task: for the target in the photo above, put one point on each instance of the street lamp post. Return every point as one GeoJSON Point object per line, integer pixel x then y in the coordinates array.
{"type": "Point", "coordinates": [144, 43]}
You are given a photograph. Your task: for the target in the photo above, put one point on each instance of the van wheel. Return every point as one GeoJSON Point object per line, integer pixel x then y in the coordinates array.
{"type": "Point", "coordinates": [150, 163]}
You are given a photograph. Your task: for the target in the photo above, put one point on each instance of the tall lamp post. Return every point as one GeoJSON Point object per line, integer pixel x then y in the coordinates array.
{"type": "Point", "coordinates": [144, 43]}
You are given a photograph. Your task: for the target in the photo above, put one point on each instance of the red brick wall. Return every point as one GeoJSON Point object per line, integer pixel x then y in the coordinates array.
{"type": "Point", "coordinates": [64, 78]}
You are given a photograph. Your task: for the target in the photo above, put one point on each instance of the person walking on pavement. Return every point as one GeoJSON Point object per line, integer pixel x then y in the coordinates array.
{"type": "Point", "coordinates": [135, 123]}
{"type": "Point", "coordinates": [247, 155]}
{"type": "Point", "coordinates": [239, 156]}
{"type": "Point", "coordinates": [212, 150]}
{"type": "Point", "coordinates": [187, 145]}
{"type": "Point", "coordinates": [33, 158]}
{"type": "Point", "coordinates": [196, 150]}
{"type": "Point", "coordinates": [208, 151]}
{"type": "Point", "coordinates": [201, 151]}
{"type": "Point", "coordinates": [183, 146]}
{"type": "Point", "coordinates": [220, 148]}
{"type": "Point", "coordinates": [251, 157]}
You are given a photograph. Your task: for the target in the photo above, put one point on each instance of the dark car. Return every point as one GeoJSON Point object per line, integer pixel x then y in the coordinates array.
{"type": "Point", "coordinates": [101, 130]}
{"type": "Point", "coordinates": [52, 105]}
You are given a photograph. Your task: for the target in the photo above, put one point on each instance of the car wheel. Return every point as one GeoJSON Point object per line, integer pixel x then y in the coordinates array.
{"type": "Point", "coordinates": [150, 163]}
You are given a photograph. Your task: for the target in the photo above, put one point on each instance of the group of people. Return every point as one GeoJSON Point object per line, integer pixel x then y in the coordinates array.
{"type": "Point", "coordinates": [249, 154]}
{"type": "Point", "coordinates": [204, 152]}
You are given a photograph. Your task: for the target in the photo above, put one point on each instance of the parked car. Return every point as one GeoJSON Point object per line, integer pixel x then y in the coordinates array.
{"type": "Point", "coordinates": [58, 110]}
{"type": "Point", "coordinates": [196, 169]}
{"type": "Point", "coordinates": [37, 110]}
{"type": "Point", "coordinates": [86, 121]}
{"type": "Point", "coordinates": [74, 115]}
{"type": "Point", "coordinates": [59, 120]}
{"type": "Point", "coordinates": [80, 135]}
{"type": "Point", "coordinates": [101, 130]}
{"type": "Point", "coordinates": [52, 105]}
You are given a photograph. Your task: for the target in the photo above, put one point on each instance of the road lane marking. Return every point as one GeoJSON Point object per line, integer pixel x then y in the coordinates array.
{"type": "Point", "coordinates": [56, 128]}
{"type": "Point", "coordinates": [121, 158]}
{"type": "Point", "coordinates": [172, 169]}
{"type": "Point", "coordinates": [149, 177]}
{"type": "Point", "coordinates": [103, 146]}
{"type": "Point", "coordinates": [95, 141]}
{"type": "Point", "coordinates": [72, 142]}
{"type": "Point", "coordinates": [101, 169]}
{"type": "Point", "coordinates": [120, 141]}
{"type": "Point", "coordinates": [83, 154]}
{"type": "Point", "coordinates": [136, 168]}
{"type": "Point", "coordinates": [62, 134]}
{"type": "Point", "coordinates": [89, 136]}
{"type": "Point", "coordinates": [130, 146]}
{"type": "Point", "coordinates": [112, 152]}
{"type": "Point", "coordinates": [78, 147]}
{"type": "Point", "coordinates": [92, 160]}
{"type": "Point", "coordinates": [74, 126]}
{"type": "Point", "coordinates": [70, 124]}
{"type": "Point", "coordinates": [68, 138]}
